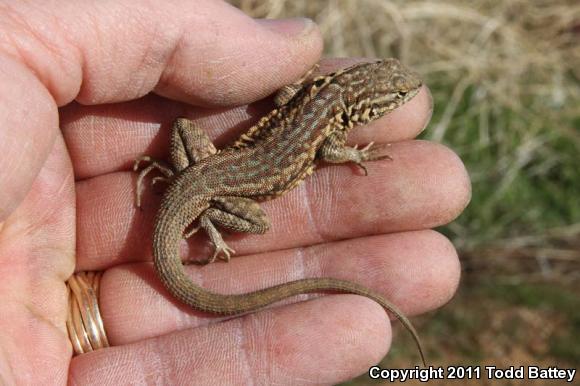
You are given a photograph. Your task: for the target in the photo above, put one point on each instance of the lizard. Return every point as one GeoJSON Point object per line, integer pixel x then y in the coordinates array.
{"type": "Point", "coordinates": [310, 122]}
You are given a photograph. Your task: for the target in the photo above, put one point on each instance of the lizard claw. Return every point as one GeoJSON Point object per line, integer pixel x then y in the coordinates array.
{"type": "Point", "coordinates": [143, 158]}
{"type": "Point", "coordinates": [161, 166]}
{"type": "Point", "coordinates": [373, 153]}
{"type": "Point", "coordinates": [190, 233]}
{"type": "Point", "coordinates": [367, 147]}
{"type": "Point", "coordinates": [159, 179]}
{"type": "Point", "coordinates": [363, 167]}
{"type": "Point", "coordinates": [369, 153]}
{"type": "Point", "coordinates": [219, 250]}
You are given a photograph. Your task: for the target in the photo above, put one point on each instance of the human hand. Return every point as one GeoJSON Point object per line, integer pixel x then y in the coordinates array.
{"type": "Point", "coordinates": [199, 61]}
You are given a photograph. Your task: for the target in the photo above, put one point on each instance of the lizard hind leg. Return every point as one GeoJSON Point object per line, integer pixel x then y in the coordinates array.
{"type": "Point", "coordinates": [237, 214]}
{"type": "Point", "coordinates": [189, 145]}
{"type": "Point", "coordinates": [154, 164]}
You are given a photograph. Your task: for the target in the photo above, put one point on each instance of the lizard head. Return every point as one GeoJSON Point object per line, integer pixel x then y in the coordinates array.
{"type": "Point", "coordinates": [389, 85]}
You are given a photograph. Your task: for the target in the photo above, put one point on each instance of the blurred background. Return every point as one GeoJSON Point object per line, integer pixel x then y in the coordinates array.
{"type": "Point", "coordinates": [505, 76]}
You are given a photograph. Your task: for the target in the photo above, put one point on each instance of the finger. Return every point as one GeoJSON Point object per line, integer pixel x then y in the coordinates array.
{"type": "Point", "coordinates": [128, 50]}
{"type": "Point", "coordinates": [417, 271]}
{"type": "Point", "coordinates": [207, 52]}
{"type": "Point", "coordinates": [424, 186]}
{"type": "Point", "coordinates": [108, 138]}
{"type": "Point", "coordinates": [272, 347]}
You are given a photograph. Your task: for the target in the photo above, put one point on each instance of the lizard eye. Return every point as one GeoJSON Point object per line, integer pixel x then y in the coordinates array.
{"type": "Point", "coordinates": [398, 81]}
{"type": "Point", "coordinates": [401, 94]}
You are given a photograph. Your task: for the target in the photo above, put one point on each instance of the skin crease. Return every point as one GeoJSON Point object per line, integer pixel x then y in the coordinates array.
{"type": "Point", "coordinates": [66, 201]}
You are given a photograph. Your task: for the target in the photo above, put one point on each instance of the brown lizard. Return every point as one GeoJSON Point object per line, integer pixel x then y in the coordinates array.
{"type": "Point", "coordinates": [311, 122]}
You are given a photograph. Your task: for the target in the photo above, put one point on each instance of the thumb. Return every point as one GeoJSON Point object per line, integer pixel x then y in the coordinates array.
{"type": "Point", "coordinates": [204, 52]}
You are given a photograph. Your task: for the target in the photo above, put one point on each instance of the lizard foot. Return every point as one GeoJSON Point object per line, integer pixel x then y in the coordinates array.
{"type": "Point", "coordinates": [222, 251]}
{"type": "Point", "coordinates": [154, 164]}
{"type": "Point", "coordinates": [370, 153]}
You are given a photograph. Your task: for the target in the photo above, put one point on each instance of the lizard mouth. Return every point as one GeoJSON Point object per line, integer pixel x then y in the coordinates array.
{"type": "Point", "coordinates": [408, 95]}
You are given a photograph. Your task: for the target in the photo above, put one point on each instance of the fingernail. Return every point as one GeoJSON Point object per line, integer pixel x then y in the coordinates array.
{"type": "Point", "coordinates": [291, 27]}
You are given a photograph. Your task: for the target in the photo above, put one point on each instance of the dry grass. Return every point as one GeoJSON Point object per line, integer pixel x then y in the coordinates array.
{"type": "Point", "coordinates": [505, 76]}
{"type": "Point", "coordinates": [508, 49]}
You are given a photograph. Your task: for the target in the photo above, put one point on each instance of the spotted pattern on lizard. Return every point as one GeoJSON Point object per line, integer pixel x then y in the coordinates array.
{"type": "Point", "coordinates": [222, 188]}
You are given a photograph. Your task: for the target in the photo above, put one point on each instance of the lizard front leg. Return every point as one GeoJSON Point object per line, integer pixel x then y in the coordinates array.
{"type": "Point", "coordinates": [189, 145]}
{"type": "Point", "coordinates": [335, 150]}
{"type": "Point", "coordinates": [238, 214]}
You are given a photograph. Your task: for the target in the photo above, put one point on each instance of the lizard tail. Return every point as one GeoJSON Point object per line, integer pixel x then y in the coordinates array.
{"type": "Point", "coordinates": [171, 272]}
